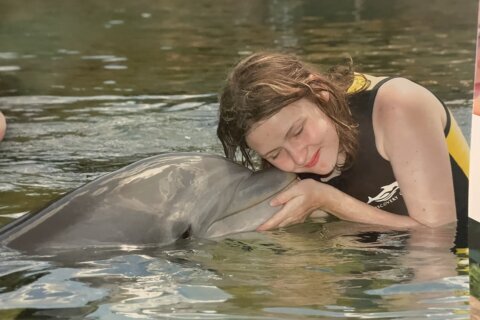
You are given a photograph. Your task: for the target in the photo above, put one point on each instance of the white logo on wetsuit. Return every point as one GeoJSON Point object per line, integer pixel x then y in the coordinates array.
{"type": "Point", "coordinates": [385, 196]}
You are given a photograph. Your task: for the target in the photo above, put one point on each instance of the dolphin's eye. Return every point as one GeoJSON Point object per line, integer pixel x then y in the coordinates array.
{"type": "Point", "coordinates": [187, 233]}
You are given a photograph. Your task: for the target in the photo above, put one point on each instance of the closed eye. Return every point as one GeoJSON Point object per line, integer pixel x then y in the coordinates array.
{"type": "Point", "coordinates": [298, 132]}
{"type": "Point", "coordinates": [274, 156]}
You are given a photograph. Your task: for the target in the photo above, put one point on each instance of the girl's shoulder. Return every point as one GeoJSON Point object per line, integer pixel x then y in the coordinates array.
{"type": "Point", "coordinates": [370, 82]}
{"type": "Point", "coordinates": [400, 91]}
{"type": "Point", "coordinates": [400, 102]}
{"type": "Point", "coordinates": [393, 84]}
{"type": "Point", "coordinates": [397, 95]}
{"type": "Point", "coordinates": [366, 82]}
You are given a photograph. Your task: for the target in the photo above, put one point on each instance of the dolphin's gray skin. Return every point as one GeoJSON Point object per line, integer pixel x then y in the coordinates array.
{"type": "Point", "coordinates": [154, 201]}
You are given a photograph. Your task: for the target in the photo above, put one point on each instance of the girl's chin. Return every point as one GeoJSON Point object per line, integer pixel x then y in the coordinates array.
{"type": "Point", "coordinates": [324, 171]}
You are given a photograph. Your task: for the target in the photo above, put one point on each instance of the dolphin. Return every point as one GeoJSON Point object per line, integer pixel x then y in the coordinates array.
{"type": "Point", "coordinates": [154, 201]}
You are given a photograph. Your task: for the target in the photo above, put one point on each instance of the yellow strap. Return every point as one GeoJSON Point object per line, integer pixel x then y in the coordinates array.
{"type": "Point", "coordinates": [360, 83]}
{"type": "Point", "coordinates": [457, 146]}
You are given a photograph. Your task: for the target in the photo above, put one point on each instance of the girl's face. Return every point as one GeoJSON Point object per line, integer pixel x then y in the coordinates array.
{"type": "Point", "coordinates": [298, 138]}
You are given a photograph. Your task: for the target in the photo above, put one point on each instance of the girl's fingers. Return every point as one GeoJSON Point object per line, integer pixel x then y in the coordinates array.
{"type": "Point", "coordinates": [284, 196]}
{"type": "Point", "coordinates": [275, 220]}
{"type": "Point", "coordinates": [287, 222]}
{"type": "Point", "coordinates": [279, 199]}
{"type": "Point", "coordinates": [282, 218]}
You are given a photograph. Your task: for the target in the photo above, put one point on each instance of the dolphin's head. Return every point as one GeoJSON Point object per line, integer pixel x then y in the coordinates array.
{"type": "Point", "coordinates": [157, 200]}
{"type": "Point", "coordinates": [250, 205]}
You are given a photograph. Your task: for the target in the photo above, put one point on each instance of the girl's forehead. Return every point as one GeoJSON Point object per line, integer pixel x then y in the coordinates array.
{"type": "Point", "coordinates": [272, 131]}
{"type": "Point", "coordinates": [266, 132]}
{"type": "Point", "coordinates": [279, 119]}
{"type": "Point", "coordinates": [290, 112]}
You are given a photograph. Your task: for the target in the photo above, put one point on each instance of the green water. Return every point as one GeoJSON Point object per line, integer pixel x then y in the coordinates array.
{"type": "Point", "coordinates": [90, 86]}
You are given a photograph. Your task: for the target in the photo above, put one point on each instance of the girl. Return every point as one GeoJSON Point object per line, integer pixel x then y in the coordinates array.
{"type": "Point", "coordinates": [367, 149]}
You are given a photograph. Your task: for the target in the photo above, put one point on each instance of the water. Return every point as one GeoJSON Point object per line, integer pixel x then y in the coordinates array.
{"type": "Point", "coordinates": [88, 87]}
{"type": "Point", "coordinates": [338, 270]}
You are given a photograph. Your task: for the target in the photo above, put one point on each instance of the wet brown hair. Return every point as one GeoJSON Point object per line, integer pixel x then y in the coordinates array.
{"type": "Point", "coordinates": [263, 83]}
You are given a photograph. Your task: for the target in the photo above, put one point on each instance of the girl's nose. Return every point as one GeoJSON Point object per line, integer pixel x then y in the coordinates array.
{"type": "Point", "coordinates": [298, 153]}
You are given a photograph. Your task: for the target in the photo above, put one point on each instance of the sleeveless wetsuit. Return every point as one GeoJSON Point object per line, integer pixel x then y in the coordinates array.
{"type": "Point", "coordinates": [371, 177]}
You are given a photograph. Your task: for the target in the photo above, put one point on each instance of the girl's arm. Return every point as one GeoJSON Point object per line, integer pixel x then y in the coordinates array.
{"type": "Point", "coordinates": [409, 129]}
{"type": "Point", "coordinates": [308, 195]}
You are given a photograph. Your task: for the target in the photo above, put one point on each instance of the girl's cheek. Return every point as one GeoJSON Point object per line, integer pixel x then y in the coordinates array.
{"type": "Point", "coordinates": [284, 164]}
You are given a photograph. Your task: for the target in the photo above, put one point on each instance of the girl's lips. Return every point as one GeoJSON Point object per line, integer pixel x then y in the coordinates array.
{"type": "Point", "coordinates": [314, 160]}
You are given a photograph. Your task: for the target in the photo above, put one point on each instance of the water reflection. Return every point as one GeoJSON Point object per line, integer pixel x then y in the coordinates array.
{"type": "Point", "coordinates": [337, 269]}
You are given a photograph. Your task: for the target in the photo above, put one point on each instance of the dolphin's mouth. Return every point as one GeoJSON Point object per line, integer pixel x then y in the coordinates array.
{"type": "Point", "coordinates": [247, 218]}
{"type": "Point", "coordinates": [255, 204]}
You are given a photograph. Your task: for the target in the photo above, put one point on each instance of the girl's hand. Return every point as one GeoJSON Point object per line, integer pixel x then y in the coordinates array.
{"type": "Point", "coordinates": [298, 201]}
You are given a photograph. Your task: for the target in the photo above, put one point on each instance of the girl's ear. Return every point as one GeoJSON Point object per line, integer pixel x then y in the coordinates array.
{"type": "Point", "coordinates": [325, 95]}
{"type": "Point", "coordinates": [313, 77]}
